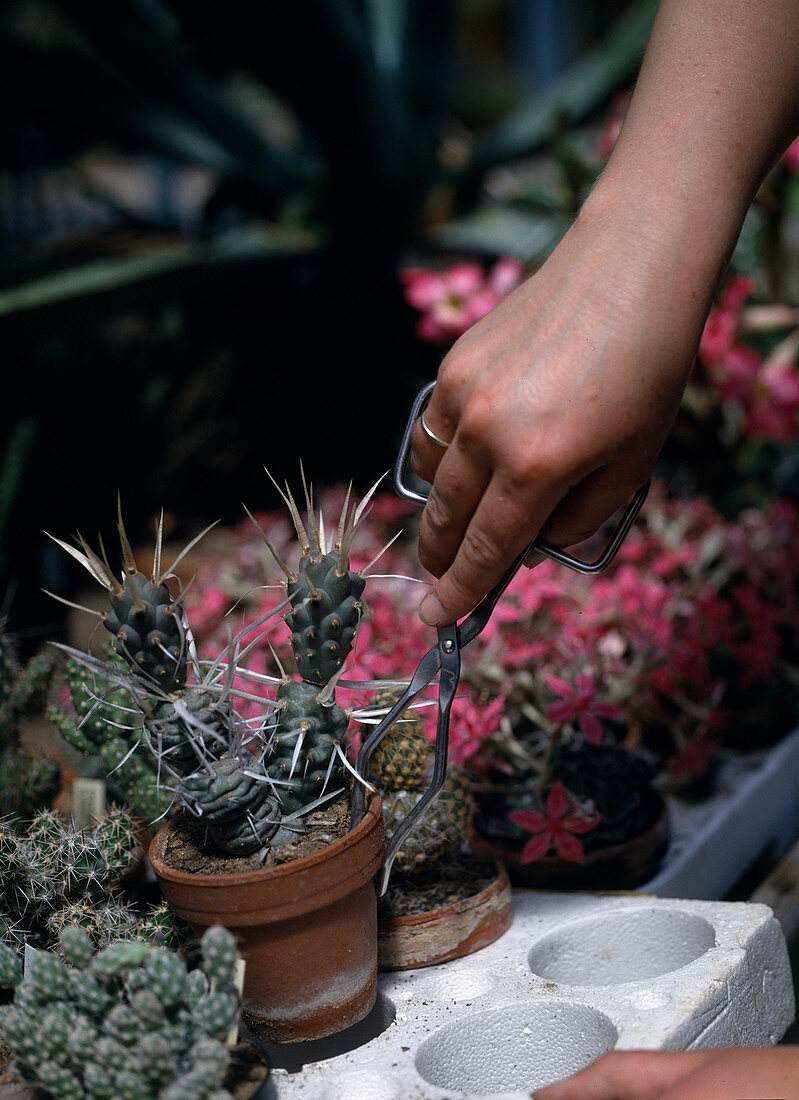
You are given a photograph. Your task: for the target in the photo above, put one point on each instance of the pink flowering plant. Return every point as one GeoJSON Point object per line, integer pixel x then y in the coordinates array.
{"type": "Point", "coordinates": [736, 438]}
{"type": "Point", "coordinates": [557, 827]}
{"type": "Point", "coordinates": [584, 696]}
{"type": "Point", "coordinates": [450, 300]}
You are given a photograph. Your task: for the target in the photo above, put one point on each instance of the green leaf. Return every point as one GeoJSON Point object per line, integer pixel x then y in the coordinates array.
{"type": "Point", "coordinates": [497, 230]}
{"type": "Point", "coordinates": [572, 97]}
{"type": "Point", "coordinates": [170, 267]}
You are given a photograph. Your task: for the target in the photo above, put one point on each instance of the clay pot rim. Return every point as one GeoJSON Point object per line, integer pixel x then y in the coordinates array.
{"type": "Point", "coordinates": [257, 875]}
{"type": "Point", "coordinates": [498, 884]}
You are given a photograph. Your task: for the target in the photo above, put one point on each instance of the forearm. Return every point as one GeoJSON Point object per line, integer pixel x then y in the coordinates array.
{"type": "Point", "coordinates": [716, 102]}
{"type": "Point", "coordinates": [556, 404]}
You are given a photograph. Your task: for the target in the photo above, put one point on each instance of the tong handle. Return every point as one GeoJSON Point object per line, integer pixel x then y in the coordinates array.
{"type": "Point", "coordinates": [449, 648]}
{"type": "Point", "coordinates": [540, 546]}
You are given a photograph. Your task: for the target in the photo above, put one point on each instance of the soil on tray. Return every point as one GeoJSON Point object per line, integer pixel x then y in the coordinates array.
{"type": "Point", "coordinates": [435, 885]}
{"type": "Point", "coordinates": [188, 850]}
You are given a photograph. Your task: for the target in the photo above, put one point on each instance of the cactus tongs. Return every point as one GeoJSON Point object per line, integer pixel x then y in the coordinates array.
{"type": "Point", "coordinates": [444, 658]}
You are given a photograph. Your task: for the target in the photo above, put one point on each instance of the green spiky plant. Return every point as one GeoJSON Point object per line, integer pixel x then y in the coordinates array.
{"type": "Point", "coordinates": [97, 725]}
{"type": "Point", "coordinates": [130, 1021]}
{"type": "Point", "coordinates": [52, 875]}
{"type": "Point", "coordinates": [251, 790]}
{"type": "Point", "coordinates": [27, 781]}
{"type": "Point", "coordinates": [400, 771]}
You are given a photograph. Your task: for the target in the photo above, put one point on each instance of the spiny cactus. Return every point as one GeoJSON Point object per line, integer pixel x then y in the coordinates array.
{"type": "Point", "coordinates": [27, 782]}
{"type": "Point", "coordinates": [130, 1022]}
{"type": "Point", "coordinates": [441, 831]}
{"type": "Point", "coordinates": [400, 760]}
{"type": "Point", "coordinates": [98, 725]}
{"type": "Point", "coordinates": [53, 875]}
{"type": "Point", "coordinates": [306, 733]}
{"type": "Point", "coordinates": [250, 789]}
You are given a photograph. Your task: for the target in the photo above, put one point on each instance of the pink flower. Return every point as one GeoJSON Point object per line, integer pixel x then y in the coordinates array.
{"type": "Point", "coordinates": [721, 326]}
{"type": "Point", "coordinates": [579, 703]}
{"type": "Point", "coordinates": [471, 725]}
{"type": "Point", "coordinates": [209, 611]}
{"type": "Point", "coordinates": [556, 828]}
{"type": "Point", "coordinates": [768, 391]}
{"type": "Point", "coordinates": [451, 301]}
{"type": "Point", "coordinates": [791, 156]}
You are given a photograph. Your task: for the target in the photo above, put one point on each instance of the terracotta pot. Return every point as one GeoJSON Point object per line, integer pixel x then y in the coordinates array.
{"type": "Point", "coordinates": [450, 932]}
{"type": "Point", "coordinates": [307, 929]}
{"type": "Point", "coordinates": [622, 866]}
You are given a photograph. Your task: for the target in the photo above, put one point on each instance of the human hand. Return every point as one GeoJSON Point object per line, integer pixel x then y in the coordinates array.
{"type": "Point", "coordinates": [751, 1073]}
{"type": "Point", "coordinates": [555, 405]}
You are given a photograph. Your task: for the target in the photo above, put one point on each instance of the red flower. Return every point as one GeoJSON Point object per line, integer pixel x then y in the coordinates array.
{"type": "Point", "coordinates": [721, 327]}
{"type": "Point", "coordinates": [451, 301]}
{"type": "Point", "coordinates": [471, 726]}
{"type": "Point", "coordinates": [579, 703]}
{"type": "Point", "coordinates": [557, 828]}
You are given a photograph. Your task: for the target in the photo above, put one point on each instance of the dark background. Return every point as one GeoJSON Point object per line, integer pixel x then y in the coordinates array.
{"type": "Point", "coordinates": [202, 215]}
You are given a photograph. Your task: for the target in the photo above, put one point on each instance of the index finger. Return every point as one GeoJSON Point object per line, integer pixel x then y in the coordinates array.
{"type": "Point", "coordinates": [504, 522]}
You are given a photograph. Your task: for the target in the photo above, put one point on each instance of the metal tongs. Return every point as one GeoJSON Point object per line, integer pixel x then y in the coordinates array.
{"type": "Point", "coordinates": [444, 658]}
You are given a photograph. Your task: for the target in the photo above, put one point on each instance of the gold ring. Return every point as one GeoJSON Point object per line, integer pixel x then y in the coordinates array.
{"type": "Point", "coordinates": [431, 434]}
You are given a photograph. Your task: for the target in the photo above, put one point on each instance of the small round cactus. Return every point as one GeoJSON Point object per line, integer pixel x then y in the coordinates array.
{"type": "Point", "coordinates": [444, 828]}
{"type": "Point", "coordinates": [402, 757]}
{"type": "Point", "coordinates": [125, 1023]}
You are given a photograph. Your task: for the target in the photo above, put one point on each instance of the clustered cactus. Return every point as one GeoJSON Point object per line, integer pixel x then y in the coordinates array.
{"type": "Point", "coordinates": [401, 771]}
{"type": "Point", "coordinates": [129, 1022]}
{"type": "Point", "coordinates": [53, 875]}
{"type": "Point", "coordinates": [27, 781]}
{"type": "Point", "coordinates": [249, 787]}
{"type": "Point", "coordinates": [97, 726]}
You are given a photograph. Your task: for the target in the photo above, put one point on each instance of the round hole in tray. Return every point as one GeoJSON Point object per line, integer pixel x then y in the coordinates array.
{"type": "Point", "coordinates": [623, 946]}
{"type": "Point", "coordinates": [294, 1056]}
{"type": "Point", "coordinates": [516, 1048]}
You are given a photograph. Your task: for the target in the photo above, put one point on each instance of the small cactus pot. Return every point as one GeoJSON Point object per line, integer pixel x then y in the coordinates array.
{"type": "Point", "coordinates": [306, 928]}
{"type": "Point", "coordinates": [448, 932]}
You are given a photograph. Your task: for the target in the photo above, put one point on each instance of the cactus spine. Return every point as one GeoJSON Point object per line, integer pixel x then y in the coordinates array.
{"type": "Point", "coordinates": [53, 875]}
{"type": "Point", "coordinates": [99, 725]}
{"type": "Point", "coordinates": [128, 1022]}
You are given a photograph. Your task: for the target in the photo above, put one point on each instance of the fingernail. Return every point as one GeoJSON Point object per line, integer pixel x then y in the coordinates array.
{"type": "Point", "coordinates": [430, 610]}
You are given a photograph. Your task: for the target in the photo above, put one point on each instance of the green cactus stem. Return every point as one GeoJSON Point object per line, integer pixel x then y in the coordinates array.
{"type": "Point", "coordinates": [27, 782]}
{"type": "Point", "coordinates": [102, 724]}
{"type": "Point", "coordinates": [130, 1021]}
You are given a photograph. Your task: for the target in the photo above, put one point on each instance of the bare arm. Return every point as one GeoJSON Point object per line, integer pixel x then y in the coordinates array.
{"type": "Point", "coordinates": [558, 402]}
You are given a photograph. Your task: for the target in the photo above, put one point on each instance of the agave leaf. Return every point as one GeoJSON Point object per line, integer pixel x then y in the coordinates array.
{"type": "Point", "coordinates": [160, 270]}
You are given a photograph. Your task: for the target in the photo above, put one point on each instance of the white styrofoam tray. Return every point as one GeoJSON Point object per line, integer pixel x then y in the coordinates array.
{"type": "Point", "coordinates": [576, 975]}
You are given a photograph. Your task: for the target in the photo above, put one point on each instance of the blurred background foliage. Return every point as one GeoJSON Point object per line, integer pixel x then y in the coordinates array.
{"type": "Point", "coordinates": [202, 217]}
